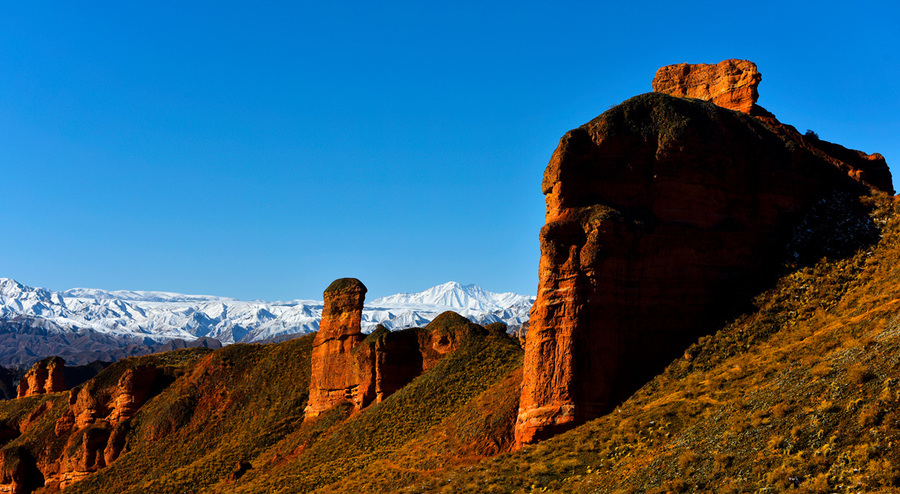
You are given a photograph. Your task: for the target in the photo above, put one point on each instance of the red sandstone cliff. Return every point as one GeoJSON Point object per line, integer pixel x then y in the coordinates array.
{"type": "Point", "coordinates": [335, 376]}
{"type": "Point", "coordinates": [664, 216]}
{"type": "Point", "coordinates": [96, 423]}
{"type": "Point", "coordinates": [45, 376]}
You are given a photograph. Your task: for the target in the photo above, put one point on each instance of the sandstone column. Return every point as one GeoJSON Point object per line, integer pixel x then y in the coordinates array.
{"type": "Point", "coordinates": [45, 376]}
{"type": "Point", "coordinates": [335, 376]}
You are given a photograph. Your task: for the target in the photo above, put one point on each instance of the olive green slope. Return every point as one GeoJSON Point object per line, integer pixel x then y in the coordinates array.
{"type": "Point", "coordinates": [802, 395]}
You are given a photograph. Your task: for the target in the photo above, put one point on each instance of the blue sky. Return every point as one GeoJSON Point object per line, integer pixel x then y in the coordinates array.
{"type": "Point", "coordinates": [263, 149]}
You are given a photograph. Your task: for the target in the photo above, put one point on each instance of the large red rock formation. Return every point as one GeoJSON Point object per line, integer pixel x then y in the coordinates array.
{"type": "Point", "coordinates": [730, 84]}
{"type": "Point", "coordinates": [335, 376]}
{"type": "Point", "coordinates": [664, 216]}
{"type": "Point", "coordinates": [45, 376]}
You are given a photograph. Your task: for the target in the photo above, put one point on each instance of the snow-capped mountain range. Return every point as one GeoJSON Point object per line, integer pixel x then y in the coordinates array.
{"type": "Point", "coordinates": [163, 316]}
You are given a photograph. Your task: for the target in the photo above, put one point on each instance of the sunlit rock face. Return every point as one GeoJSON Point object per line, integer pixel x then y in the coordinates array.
{"type": "Point", "coordinates": [664, 217]}
{"type": "Point", "coordinates": [45, 376]}
{"type": "Point", "coordinates": [335, 376]}
{"type": "Point", "coordinates": [730, 84]}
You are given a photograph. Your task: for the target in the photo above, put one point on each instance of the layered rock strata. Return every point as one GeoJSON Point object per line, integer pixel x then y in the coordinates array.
{"type": "Point", "coordinates": [96, 422]}
{"type": "Point", "coordinates": [45, 376]}
{"type": "Point", "coordinates": [335, 376]}
{"type": "Point", "coordinates": [730, 84]}
{"type": "Point", "coordinates": [664, 217]}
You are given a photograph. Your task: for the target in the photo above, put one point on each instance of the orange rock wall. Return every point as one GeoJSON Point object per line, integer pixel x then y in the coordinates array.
{"type": "Point", "coordinates": [101, 413]}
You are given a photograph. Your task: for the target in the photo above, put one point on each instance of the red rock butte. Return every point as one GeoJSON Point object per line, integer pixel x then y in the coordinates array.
{"type": "Point", "coordinates": [665, 216]}
{"type": "Point", "coordinates": [730, 84]}
{"type": "Point", "coordinates": [335, 378]}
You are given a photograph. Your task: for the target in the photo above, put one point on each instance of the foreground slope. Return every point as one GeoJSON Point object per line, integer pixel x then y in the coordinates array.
{"type": "Point", "coordinates": [802, 393]}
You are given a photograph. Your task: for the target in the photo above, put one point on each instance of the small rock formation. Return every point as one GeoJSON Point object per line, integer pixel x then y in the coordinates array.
{"type": "Point", "coordinates": [730, 84]}
{"type": "Point", "coordinates": [389, 360]}
{"type": "Point", "coordinates": [46, 376]}
{"type": "Point", "coordinates": [664, 217]}
{"type": "Point", "coordinates": [335, 376]}
{"type": "Point", "coordinates": [96, 421]}
{"type": "Point", "coordinates": [351, 367]}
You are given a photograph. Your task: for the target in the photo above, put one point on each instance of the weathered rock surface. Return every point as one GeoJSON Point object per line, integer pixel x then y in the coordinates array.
{"type": "Point", "coordinates": [19, 474]}
{"type": "Point", "coordinates": [96, 422]}
{"type": "Point", "coordinates": [335, 376]}
{"type": "Point", "coordinates": [730, 84]}
{"type": "Point", "coordinates": [664, 216]}
{"type": "Point", "coordinates": [45, 376]}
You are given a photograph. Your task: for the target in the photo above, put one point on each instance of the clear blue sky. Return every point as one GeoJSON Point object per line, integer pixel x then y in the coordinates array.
{"type": "Point", "coordinates": [263, 149]}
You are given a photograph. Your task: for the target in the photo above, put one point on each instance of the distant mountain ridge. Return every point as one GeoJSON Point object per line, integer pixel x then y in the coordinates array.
{"type": "Point", "coordinates": [155, 318]}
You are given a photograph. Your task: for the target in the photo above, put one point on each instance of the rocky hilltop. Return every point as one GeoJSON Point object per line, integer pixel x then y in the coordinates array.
{"type": "Point", "coordinates": [730, 84]}
{"type": "Point", "coordinates": [665, 215]}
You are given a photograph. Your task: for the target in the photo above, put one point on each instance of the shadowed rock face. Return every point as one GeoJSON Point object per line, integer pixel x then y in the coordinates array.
{"type": "Point", "coordinates": [45, 376]}
{"type": "Point", "coordinates": [730, 84]}
{"type": "Point", "coordinates": [664, 217]}
{"type": "Point", "coordinates": [335, 376]}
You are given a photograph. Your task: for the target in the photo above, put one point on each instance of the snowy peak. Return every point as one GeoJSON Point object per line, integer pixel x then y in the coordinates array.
{"type": "Point", "coordinates": [454, 295]}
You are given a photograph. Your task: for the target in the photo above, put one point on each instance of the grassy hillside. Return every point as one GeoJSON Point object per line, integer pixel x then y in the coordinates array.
{"type": "Point", "coordinates": [244, 403]}
{"type": "Point", "coordinates": [375, 439]}
{"type": "Point", "coordinates": [802, 394]}
{"type": "Point", "coordinates": [231, 405]}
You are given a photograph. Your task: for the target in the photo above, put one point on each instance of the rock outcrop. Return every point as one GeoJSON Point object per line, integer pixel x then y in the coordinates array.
{"type": "Point", "coordinates": [730, 84]}
{"type": "Point", "coordinates": [349, 367]}
{"type": "Point", "coordinates": [96, 422]}
{"type": "Point", "coordinates": [335, 376]}
{"type": "Point", "coordinates": [389, 360]}
{"type": "Point", "coordinates": [45, 376]}
{"type": "Point", "coordinates": [664, 217]}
